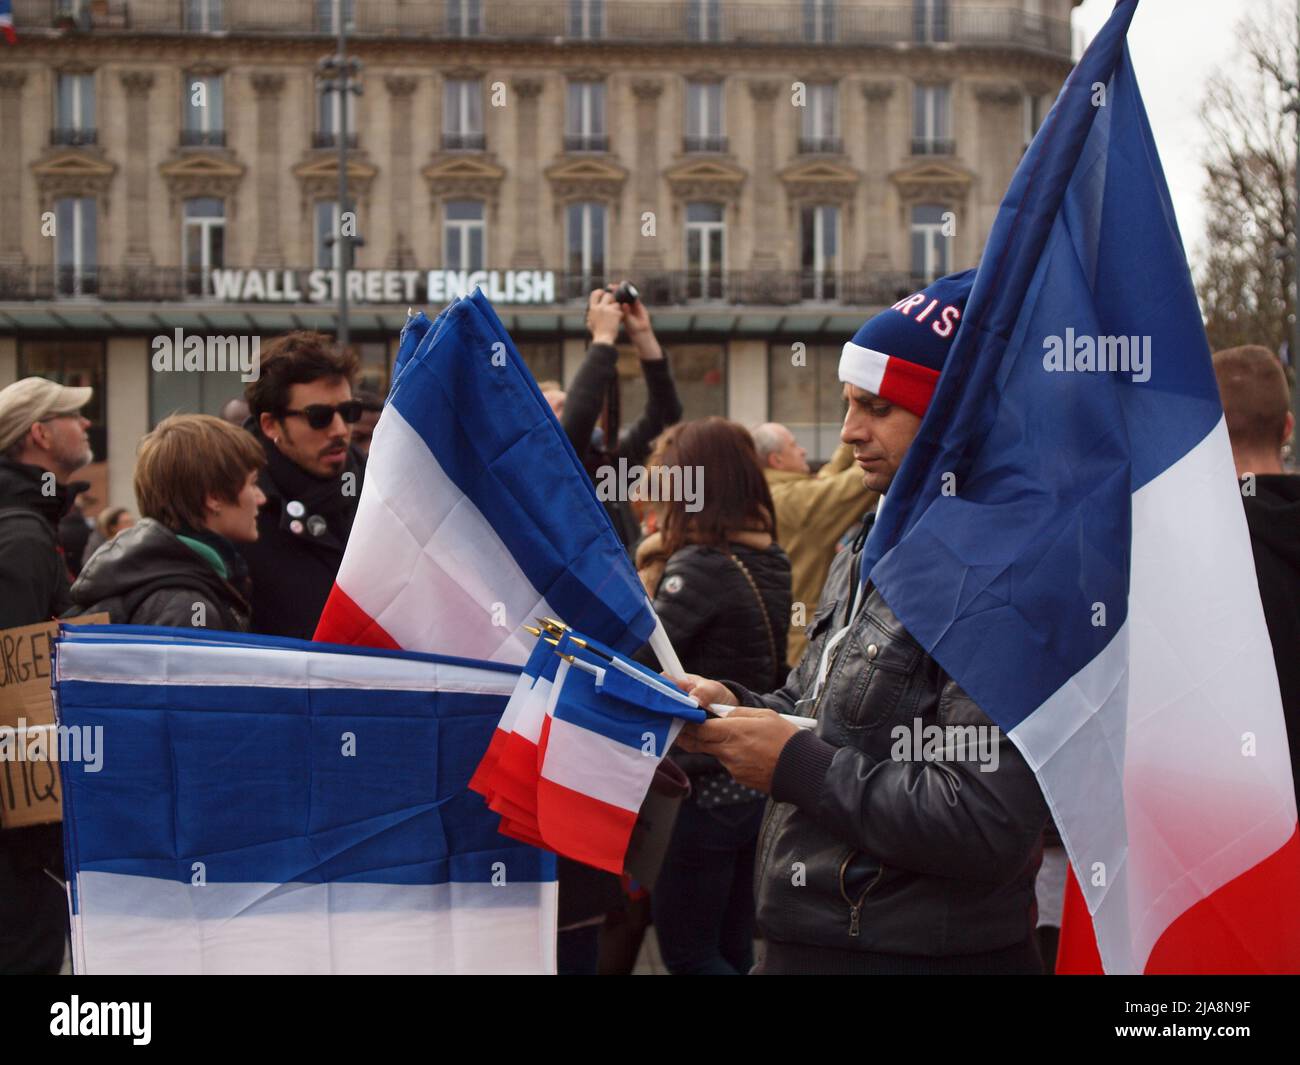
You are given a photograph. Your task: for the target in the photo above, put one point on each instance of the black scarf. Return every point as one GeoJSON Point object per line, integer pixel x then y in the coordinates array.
{"type": "Point", "coordinates": [286, 481]}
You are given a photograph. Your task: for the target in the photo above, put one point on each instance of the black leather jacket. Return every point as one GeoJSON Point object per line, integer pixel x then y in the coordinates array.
{"type": "Point", "coordinates": [862, 852]}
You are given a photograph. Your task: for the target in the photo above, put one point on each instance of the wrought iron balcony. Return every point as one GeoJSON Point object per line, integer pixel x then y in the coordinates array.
{"type": "Point", "coordinates": [203, 138]}
{"type": "Point", "coordinates": [933, 146]}
{"type": "Point", "coordinates": [586, 142]}
{"type": "Point", "coordinates": [330, 139]}
{"type": "Point", "coordinates": [464, 142]}
{"type": "Point", "coordinates": [615, 21]}
{"type": "Point", "coordinates": [821, 146]}
{"type": "Point", "coordinates": [64, 136]}
{"type": "Point", "coordinates": [704, 144]}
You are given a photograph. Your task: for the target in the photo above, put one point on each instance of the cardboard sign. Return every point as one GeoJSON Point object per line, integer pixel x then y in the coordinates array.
{"type": "Point", "coordinates": [29, 740]}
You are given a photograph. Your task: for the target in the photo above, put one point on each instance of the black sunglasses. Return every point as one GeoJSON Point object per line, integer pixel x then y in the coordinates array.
{"type": "Point", "coordinates": [320, 415]}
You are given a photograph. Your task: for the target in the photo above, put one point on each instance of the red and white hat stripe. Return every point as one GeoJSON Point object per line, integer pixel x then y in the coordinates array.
{"type": "Point", "coordinates": [907, 384]}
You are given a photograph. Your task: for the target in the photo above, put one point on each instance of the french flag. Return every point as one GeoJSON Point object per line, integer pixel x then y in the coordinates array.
{"type": "Point", "coordinates": [1090, 583]}
{"type": "Point", "coordinates": [7, 22]}
{"type": "Point", "coordinates": [267, 805]}
{"type": "Point", "coordinates": [476, 515]}
{"type": "Point", "coordinates": [606, 732]}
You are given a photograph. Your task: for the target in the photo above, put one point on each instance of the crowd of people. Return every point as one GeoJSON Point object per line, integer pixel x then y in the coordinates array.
{"type": "Point", "coordinates": [839, 858]}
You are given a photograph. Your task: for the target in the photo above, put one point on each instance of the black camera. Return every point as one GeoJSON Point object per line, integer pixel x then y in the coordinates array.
{"type": "Point", "coordinates": [626, 293]}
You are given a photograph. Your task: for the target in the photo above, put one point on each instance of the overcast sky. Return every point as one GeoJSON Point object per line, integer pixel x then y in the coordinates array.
{"type": "Point", "coordinates": [1176, 45]}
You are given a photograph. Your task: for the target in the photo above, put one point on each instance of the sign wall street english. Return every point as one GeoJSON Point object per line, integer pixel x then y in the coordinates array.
{"type": "Point", "coordinates": [382, 286]}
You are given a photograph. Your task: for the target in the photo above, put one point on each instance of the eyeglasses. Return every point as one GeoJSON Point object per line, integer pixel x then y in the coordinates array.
{"type": "Point", "coordinates": [320, 415]}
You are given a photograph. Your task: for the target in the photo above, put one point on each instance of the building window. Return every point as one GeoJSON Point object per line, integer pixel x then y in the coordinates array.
{"type": "Point", "coordinates": [704, 20]}
{"type": "Point", "coordinates": [203, 243]}
{"type": "Point", "coordinates": [819, 20]}
{"type": "Point", "coordinates": [586, 18]}
{"type": "Point", "coordinates": [327, 12]}
{"type": "Point", "coordinates": [931, 120]}
{"type": "Point", "coordinates": [76, 246]}
{"type": "Point", "coordinates": [704, 117]}
{"type": "Point", "coordinates": [819, 242]}
{"type": "Point", "coordinates": [74, 110]}
{"type": "Point", "coordinates": [462, 114]}
{"type": "Point", "coordinates": [203, 124]}
{"type": "Point", "coordinates": [329, 119]}
{"type": "Point", "coordinates": [808, 400]}
{"type": "Point", "coordinates": [77, 364]}
{"type": "Point", "coordinates": [584, 121]}
{"type": "Point", "coordinates": [819, 123]}
{"type": "Point", "coordinates": [464, 18]}
{"type": "Point", "coordinates": [585, 240]}
{"type": "Point", "coordinates": [930, 243]}
{"type": "Point", "coordinates": [203, 16]}
{"type": "Point", "coordinates": [705, 249]}
{"type": "Point", "coordinates": [930, 20]}
{"type": "Point", "coordinates": [1036, 107]}
{"type": "Point", "coordinates": [463, 237]}
{"type": "Point", "coordinates": [329, 248]}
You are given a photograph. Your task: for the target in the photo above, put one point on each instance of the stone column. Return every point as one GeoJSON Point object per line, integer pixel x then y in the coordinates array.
{"type": "Point", "coordinates": [876, 253]}
{"type": "Point", "coordinates": [648, 257]}
{"type": "Point", "coordinates": [268, 88]}
{"type": "Point", "coordinates": [766, 194]}
{"type": "Point", "coordinates": [400, 87]}
{"type": "Point", "coordinates": [137, 83]}
{"type": "Point", "coordinates": [11, 167]}
{"type": "Point", "coordinates": [528, 182]}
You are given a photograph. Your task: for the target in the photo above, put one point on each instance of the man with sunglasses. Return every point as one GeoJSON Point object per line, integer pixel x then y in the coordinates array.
{"type": "Point", "coordinates": [302, 411]}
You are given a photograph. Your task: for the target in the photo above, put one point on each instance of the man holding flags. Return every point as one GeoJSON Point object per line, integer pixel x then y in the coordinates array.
{"type": "Point", "coordinates": [871, 862]}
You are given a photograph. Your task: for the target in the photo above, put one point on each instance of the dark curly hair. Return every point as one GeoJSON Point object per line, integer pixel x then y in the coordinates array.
{"type": "Point", "coordinates": [296, 358]}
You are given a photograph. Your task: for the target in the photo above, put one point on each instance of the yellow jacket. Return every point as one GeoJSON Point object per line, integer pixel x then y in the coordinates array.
{"type": "Point", "coordinates": [812, 512]}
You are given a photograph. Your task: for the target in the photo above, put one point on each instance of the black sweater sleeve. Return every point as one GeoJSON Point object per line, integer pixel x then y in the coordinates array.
{"type": "Point", "coordinates": [586, 395]}
{"type": "Point", "coordinates": [662, 409]}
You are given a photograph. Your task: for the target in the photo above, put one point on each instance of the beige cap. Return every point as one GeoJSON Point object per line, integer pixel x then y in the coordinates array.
{"type": "Point", "coordinates": [32, 399]}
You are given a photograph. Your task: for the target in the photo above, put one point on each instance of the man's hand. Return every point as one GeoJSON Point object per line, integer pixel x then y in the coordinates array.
{"type": "Point", "coordinates": [636, 320]}
{"type": "Point", "coordinates": [704, 690]}
{"type": "Point", "coordinates": [604, 316]}
{"type": "Point", "coordinates": [748, 742]}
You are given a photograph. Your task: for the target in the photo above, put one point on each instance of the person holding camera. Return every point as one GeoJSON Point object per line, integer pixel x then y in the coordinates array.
{"type": "Point", "coordinates": [591, 404]}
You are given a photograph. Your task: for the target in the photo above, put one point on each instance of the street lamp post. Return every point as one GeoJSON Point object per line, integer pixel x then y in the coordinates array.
{"type": "Point", "coordinates": [339, 74]}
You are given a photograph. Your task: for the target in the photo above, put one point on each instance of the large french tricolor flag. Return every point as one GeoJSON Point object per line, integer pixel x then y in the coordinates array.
{"type": "Point", "coordinates": [1090, 583]}
{"type": "Point", "coordinates": [476, 515]}
{"type": "Point", "coordinates": [268, 805]}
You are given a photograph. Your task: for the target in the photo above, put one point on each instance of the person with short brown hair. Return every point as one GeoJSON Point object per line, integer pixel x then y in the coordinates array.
{"type": "Point", "coordinates": [1253, 388]}
{"type": "Point", "coordinates": [302, 413]}
{"type": "Point", "coordinates": [196, 483]}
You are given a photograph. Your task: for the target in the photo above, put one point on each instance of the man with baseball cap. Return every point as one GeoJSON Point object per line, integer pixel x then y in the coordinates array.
{"type": "Point", "coordinates": [42, 444]}
{"type": "Point", "coordinates": [903, 835]}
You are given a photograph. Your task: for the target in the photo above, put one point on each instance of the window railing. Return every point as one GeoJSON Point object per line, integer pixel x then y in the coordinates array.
{"type": "Point", "coordinates": [66, 136]}
{"type": "Point", "coordinates": [330, 139]}
{"type": "Point", "coordinates": [652, 21]}
{"type": "Point", "coordinates": [933, 146]}
{"type": "Point", "coordinates": [586, 142]}
{"type": "Point", "coordinates": [704, 144]}
{"type": "Point", "coordinates": [464, 142]}
{"type": "Point", "coordinates": [821, 145]}
{"type": "Point", "coordinates": [203, 138]}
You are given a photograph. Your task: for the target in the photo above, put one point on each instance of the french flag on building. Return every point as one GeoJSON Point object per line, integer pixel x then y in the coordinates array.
{"type": "Point", "coordinates": [7, 21]}
{"type": "Point", "coordinates": [476, 515]}
{"type": "Point", "coordinates": [267, 805]}
{"type": "Point", "coordinates": [1090, 583]}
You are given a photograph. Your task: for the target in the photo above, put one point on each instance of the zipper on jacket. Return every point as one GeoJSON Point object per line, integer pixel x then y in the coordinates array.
{"type": "Point", "coordinates": [855, 908]}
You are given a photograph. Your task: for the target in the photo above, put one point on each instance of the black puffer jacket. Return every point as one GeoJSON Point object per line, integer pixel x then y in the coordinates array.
{"type": "Point", "coordinates": [147, 575]}
{"type": "Point", "coordinates": [867, 858]}
{"type": "Point", "coordinates": [33, 575]}
{"type": "Point", "coordinates": [714, 621]}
